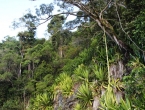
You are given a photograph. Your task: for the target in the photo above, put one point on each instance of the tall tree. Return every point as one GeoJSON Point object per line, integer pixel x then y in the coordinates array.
{"type": "Point", "coordinates": [97, 11]}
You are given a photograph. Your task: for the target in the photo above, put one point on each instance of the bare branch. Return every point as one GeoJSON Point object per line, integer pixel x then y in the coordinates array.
{"type": "Point", "coordinates": [121, 5]}
{"type": "Point", "coordinates": [85, 26]}
{"type": "Point", "coordinates": [100, 16]}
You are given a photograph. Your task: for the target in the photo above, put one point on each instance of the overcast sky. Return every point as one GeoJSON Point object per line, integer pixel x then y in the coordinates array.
{"type": "Point", "coordinates": [14, 9]}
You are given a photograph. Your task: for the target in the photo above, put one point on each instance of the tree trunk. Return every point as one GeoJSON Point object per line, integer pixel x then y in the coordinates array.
{"type": "Point", "coordinates": [20, 70]}
{"type": "Point", "coordinates": [29, 70]}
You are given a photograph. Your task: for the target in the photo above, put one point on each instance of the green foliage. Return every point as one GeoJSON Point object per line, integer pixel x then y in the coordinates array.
{"type": "Point", "coordinates": [64, 83]}
{"type": "Point", "coordinates": [4, 91]}
{"type": "Point", "coordinates": [42, 70]}
{"type": "Point", "coordinates": [100, 73]}
{"type": "Point", "coordinates": [44, 85]}
{"type": "Point", "coordinates": [134, 7]}
{"type": "Point", "coordinates": [42, 102]}
{"type": "Point", "coordinates": [72, 52]}
{"type": "Point", "coordinates": [81, 73]}
{"type": "Point", "coordinates": [6, 76]}
{"type": "Point", "coordinates": [84, 94]}
{"type": "Point", "coordinates": [137, 33]}
{"type": "Point", "coordinates": [30, 86]}
{"type": "Point", "coordinates": [12, 105]}
{"type": "Point", "coordinates": [73, 63]}
{"type": "Point", "coordinates": [134, 84]}
{"type": "Point", "coordinates": [108, 100]}
{"type": "Point", "coordinates": [56, 24]}
{"type": "Point", "coordinates": [125, 105]}
{"type": "Point", "coordinates": [78, 107]}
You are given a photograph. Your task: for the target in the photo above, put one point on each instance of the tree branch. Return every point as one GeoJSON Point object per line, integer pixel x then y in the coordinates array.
{"type": "Point", "coordinates": [124, 30]}
{"type": "Point", "coordinates": [100, 15]}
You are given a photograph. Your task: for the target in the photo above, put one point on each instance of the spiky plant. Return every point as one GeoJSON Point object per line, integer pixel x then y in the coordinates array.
{"type": "Point", "coordinates": [108, 101]}
{"type": "Point", "coordinates": [84, 95]}
{"type": "Point", "coordinates": [78, 107]}
{"type": "Point", "coordinates": [42, 102]}
{"type": "Point", "coordinates": [64, 83]}
{"type": "Point", "coordinates": [81, 73]}
{"type": "Point", "coordinates": [99, 73]}
{"type": "Point", "coordinates": [125, 105]}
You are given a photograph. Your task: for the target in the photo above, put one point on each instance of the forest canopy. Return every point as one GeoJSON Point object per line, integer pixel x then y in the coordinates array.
{"type": "Point", "coordinates": [99, 65]}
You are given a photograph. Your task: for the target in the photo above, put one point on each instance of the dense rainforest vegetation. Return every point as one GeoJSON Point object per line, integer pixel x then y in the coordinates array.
{"type": "Point", "coordinates": [99, 66]}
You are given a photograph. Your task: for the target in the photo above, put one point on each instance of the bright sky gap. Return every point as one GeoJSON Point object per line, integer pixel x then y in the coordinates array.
{"type": "Point", "coordinates": [14, 9]}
